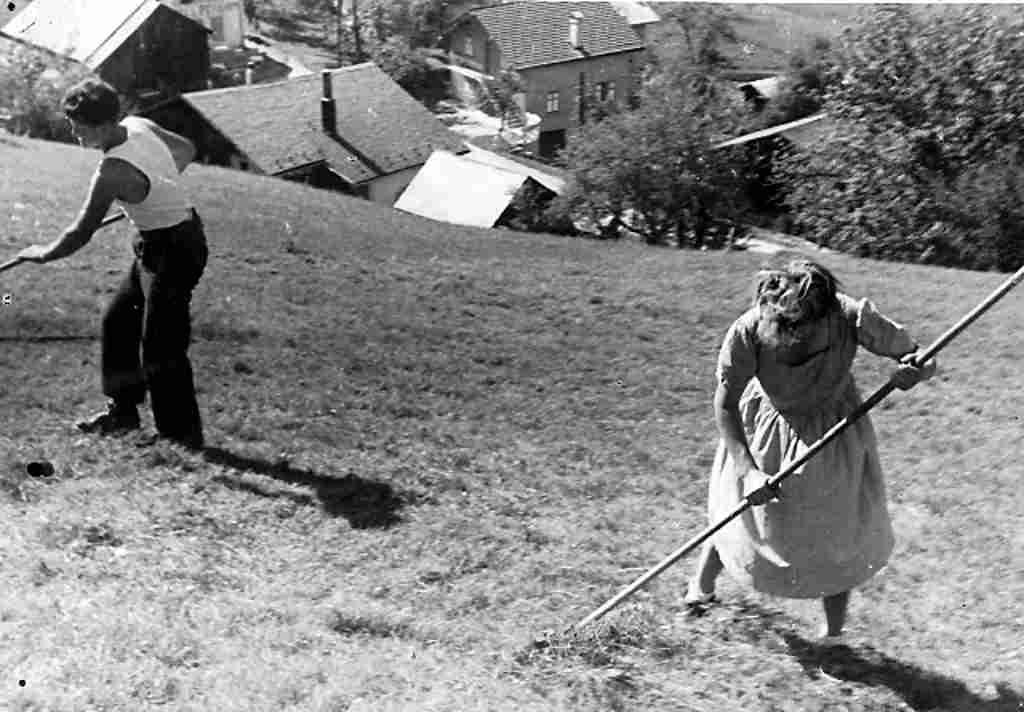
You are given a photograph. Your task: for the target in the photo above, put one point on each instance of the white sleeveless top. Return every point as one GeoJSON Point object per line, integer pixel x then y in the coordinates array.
{"type": "Point", "coordinates": [166, 204]}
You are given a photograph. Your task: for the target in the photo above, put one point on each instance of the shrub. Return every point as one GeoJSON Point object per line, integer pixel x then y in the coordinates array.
{"type": "Point", "coordinates": [924, 164]}
{"type": "Point", "coordinates": [411, 69]}
{"type": "Point", "coordinates": [32, 84]}
{"type": "Point", "coordinates": [653, 169]}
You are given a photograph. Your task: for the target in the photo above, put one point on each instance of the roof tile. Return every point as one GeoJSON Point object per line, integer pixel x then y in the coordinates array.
{"type": "Point", "coordinates": [382, 129]}
{"type": "Point", "coordinates": [531, 33]}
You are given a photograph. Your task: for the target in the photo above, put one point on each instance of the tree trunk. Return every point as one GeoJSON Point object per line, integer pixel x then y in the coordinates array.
{"type": "Point", "coordinates": [341, 46]}
{"type": "Point", "coordinates": [356, 34]}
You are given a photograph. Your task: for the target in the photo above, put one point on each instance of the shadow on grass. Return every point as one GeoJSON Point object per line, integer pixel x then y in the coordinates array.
{"type": "Point", "coordinates": [366, 504]}
{"type": "Point", "coordinates": [920, 688]}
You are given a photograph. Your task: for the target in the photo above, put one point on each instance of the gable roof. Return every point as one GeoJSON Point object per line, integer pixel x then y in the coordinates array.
{"type": "Point", "coordinates": [454, 189]}
{"type": "Point", "coordinates": [87, 31]}
{"type": "Point", "coordinates": [380, 128]}
{"type": "Point", "coordinates": [533, 33]}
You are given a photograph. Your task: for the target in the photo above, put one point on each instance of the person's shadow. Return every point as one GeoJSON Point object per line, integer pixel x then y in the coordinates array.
{"type": "Point", "coordinates": [365, 503]}
{"type": "Point", "coordinates": [921, 689]}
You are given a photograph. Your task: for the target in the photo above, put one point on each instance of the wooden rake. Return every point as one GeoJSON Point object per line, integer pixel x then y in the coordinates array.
{"type": "Point", "coordinates": [774, 482]}
{"type": "Point", "coordinates": [17, 260]}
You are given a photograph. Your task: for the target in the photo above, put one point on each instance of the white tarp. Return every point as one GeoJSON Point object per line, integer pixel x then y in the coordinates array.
{"type": "Point", "coordinates": [455, 190]}
{"type": "Point", "coordinates": [482, 155]}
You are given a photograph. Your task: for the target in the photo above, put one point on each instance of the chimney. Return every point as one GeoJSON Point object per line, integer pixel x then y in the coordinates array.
{"type": "Point", "coordinates": [328, 112]}
{"type": "Point", "coordinates": [574, 29]}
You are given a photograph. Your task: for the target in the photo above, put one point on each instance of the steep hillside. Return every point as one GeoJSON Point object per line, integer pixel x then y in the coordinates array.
{"type": "Point", "coordinates": [428, 444]}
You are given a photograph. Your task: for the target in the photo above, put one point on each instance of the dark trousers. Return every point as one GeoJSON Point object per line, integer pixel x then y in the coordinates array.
{"type": "Point", "coordinates": [151, 310]}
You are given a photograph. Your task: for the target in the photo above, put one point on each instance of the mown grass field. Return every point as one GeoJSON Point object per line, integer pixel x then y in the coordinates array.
{"type": "Point", "coordinates": [429, 444]}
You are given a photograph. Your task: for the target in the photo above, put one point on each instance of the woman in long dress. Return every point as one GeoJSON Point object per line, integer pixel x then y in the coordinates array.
{"type": "Point", "coordinates": [784, 378]}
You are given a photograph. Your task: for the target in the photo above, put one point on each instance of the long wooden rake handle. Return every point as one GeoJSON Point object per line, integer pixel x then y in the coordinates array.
{"type": "Point", "coordinates": [106, 221]}
{"type": "Point", "coordinates": [774, 482]}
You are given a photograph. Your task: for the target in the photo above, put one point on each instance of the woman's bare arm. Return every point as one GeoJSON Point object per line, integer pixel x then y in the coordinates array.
{"type": "Point", "coordinates": [730, 427]}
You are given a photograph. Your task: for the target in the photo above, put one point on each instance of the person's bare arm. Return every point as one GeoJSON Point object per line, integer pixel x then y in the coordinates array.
{"type": "Point", "coordinates": [183, 150]}
{"type": "Point", "coordinates": [113, 179]}
{"type": "Point", "coordinates": [730, 427]}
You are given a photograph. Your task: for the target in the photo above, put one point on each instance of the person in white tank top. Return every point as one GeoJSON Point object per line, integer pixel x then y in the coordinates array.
{"type": "Point", "coordinates": [139, 171]}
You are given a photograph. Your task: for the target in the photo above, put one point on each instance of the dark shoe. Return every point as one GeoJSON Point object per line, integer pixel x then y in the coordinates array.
{"type": "Point", "coordinates": [192, 441]}
{"type": "Point", "coordinates": [117, 419]}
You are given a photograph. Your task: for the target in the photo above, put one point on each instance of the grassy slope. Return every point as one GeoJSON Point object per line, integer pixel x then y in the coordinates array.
{"type": "Point", "coordinates": [431, 443]}
{"type": "Point", "coordinates": [769, 33]}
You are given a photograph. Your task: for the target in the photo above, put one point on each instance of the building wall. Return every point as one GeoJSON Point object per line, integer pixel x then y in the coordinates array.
{"type": "Point", "coordinates": [623, 69]}
{"type": "Point", "coordinates": [387, 189]}
{"type": "Point", "coordinates": [485, 56]}
{"type": "Point", "coordinates": [167, 54]}
{"type": "Point", "coordinates": [225, 17]}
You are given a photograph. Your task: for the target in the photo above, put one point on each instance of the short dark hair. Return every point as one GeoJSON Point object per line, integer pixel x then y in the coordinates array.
{"type": "Point", "coordinates": [92, 101]}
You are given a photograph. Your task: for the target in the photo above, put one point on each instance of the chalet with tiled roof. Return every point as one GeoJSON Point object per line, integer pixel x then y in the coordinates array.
{"type": "Point", "coordinates": [141, 47]}
{"type": "Point", "coordinates": [572, 56]}
{"type": "Point", "coordinates": [351, 129]}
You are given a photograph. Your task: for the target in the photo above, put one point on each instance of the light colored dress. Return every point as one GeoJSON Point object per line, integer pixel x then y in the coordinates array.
{"type": "Point", "coordinates": [831, 530]}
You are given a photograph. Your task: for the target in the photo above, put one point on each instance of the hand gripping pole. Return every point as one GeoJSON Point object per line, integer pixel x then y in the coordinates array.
{"type": "Point", "coordinates": [775, 481]}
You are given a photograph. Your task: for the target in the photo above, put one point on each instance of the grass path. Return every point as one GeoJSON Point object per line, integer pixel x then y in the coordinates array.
{"type": "Point", "coordinates": [431, 443]}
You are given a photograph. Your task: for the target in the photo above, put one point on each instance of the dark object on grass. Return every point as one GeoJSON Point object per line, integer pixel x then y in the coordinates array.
{"type": "Point", "coordinates": [41, 468]}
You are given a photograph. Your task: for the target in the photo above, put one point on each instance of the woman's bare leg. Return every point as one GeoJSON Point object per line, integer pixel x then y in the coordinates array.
{"type": "Point", "coordinates": [835, 612]}
{"type": "Point", "coordinates": [709, 566]}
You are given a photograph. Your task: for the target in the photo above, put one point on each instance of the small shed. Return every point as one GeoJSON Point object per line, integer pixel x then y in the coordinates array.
{"type": "Point", "coordinates": [463, 191]}
{"type": "Point", "coordinates": [142, 48]}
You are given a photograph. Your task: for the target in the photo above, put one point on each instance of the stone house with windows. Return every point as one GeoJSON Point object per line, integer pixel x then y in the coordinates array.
{"type": "Point", "coordinates": [572, 57]}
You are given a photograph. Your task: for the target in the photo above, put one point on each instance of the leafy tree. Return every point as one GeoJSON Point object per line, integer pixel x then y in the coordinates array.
{"type": "Point", "coordinates": [706, 30]}
{"type": "Point", "coordinates": [653, 169]}
{"type": "Point", "coordinates": [411, 69]}
{"type": "Point", "coordinates": [803, 85]}
{"type": "Point", "coordinates": [927, 140]}
{"type": "Point", "coordinates": [32, 85]}
{"type": "Point", "coordinates": [251, 10]}
{"type": "Point", "coordinates": [422, 23]}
